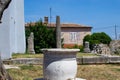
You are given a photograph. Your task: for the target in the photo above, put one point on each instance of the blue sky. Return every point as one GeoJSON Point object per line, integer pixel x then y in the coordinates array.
{"type": "Point", "coordinates": [102, 15]}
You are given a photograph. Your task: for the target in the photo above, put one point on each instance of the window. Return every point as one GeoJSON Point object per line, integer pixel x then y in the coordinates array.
{"type": "Point", "coordinates": [73, 36]}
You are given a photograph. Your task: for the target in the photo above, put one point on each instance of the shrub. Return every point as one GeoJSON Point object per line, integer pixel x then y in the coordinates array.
{"type": "Point", "coordinates": [81, 48]}
{"type": "Point", "coordinates": [43, 37]}
{"type": "Point", "coordinates": [78, 47]}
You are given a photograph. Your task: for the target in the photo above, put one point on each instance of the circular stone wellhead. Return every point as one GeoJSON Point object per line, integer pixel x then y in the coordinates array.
{"type": "Point", "coordinates": [60, 64]}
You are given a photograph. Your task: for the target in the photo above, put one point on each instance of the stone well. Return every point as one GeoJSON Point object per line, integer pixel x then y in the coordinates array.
{"type": "Point", "coordinates": [60, 64]}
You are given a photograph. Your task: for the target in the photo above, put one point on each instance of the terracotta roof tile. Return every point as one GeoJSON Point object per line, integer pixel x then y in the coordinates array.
{"type": "Point", "coordinates": [62, 25]}
{"type": "Point", "coordinates": [67, 25]}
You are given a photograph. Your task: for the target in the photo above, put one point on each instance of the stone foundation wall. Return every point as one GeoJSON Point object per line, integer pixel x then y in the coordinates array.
{"type": "Point", "coordinates": [81, 60]}
{"type": "Point", "coordinates": [99, 60]}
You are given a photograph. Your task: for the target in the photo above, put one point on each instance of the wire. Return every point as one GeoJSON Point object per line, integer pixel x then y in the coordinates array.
{"type": "Point", "coordinates": [108, 28]}
{"type": "Point", "coordinates": [104, 27]}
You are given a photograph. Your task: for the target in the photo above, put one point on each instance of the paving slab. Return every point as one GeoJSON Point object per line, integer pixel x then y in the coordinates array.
{"type": "Point", "coordinates": [10, 67]}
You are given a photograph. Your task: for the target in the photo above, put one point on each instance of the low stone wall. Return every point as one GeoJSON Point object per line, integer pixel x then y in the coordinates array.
{"type": "Point", "coordinates": [98, 60]}
{"type": "Point", "coordinates": [24, 61]}
{"type": "Point", "coordinates": [81, 60]}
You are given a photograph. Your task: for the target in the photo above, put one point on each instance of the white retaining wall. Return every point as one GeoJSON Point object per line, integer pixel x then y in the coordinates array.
{"type": "Point", "coordinates": [12, 30]}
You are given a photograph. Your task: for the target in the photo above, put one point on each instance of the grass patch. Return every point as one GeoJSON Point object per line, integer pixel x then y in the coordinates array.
{"type": "Point", "coordinates": [41, 55]}
{"type": "Point", "coordinates": [27, 56]}
{"type": "Point", "coordinates": [25, 67]}
{"type": "Point", "coordinates": [99, 72]}
{"type": "Point", "coordinates": [118, 69]}
{"type": "Point", "coordinates": [88, 72]}
{"type": "Point", "coordinates": [26, 72]}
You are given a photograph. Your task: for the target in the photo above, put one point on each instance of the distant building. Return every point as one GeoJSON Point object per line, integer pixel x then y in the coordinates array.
{"type": "Point", "coordinates": [73, 34]}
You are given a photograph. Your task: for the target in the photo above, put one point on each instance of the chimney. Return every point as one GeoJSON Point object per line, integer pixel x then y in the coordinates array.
{"type": "Point", "coordinates": [45, 20]}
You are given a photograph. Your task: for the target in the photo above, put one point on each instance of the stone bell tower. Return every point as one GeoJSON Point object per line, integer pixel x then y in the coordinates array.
{"type": "Point", "coordinates": [12, 30]}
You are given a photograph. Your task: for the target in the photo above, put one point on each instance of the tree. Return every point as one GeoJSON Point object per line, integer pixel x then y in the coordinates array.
{"type": "Point", "coordinates": [101, 37]}
{"type": "Point", "coordinates": [97, 38]}
{"type": "Point", "coordinates": [3, 5]}
{"type": "Point", "coordinates": [43, 37]}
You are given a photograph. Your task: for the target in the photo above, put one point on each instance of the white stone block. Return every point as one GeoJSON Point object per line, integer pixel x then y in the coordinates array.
{"type": "Point", "coordinates": [12, 30]}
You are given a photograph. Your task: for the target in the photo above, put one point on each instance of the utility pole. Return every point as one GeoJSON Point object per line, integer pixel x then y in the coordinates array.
{"type": "Point", "coordinates": [50, 16]}
{"type": "Point", "coordinates": [115, 32]}
{"type": "Point", "coordinates": [119, 36]}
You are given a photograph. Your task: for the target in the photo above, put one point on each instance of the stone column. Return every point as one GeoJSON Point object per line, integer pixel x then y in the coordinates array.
{"type": "Point", "coordinates": [58, 32]}
{"type": "Point", "coordinates": [87, 49]}
{"type": "Point", "coordinates": [31, 43]}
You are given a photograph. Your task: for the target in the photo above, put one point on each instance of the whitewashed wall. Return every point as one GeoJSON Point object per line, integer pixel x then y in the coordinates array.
{"type": "Point", "coordinates": [12, 30]}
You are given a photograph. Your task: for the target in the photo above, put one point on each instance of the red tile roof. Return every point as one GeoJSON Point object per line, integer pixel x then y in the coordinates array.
{"type": "Point", "coordinates": [67, 25]}
{"type": "Point", "coordinates": [62, 25]}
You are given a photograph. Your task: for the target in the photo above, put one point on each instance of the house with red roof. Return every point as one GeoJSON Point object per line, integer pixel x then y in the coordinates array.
{"type": "Point", "coordinates": [73, 34]}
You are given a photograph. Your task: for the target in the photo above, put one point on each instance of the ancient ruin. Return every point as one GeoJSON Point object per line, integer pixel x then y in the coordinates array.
{"type": "Point", "coordinates": [31, 43]}
{"type": "Point", "coordinates": [102, 49]}
{"type": "Point", "coordinates": [115, 46]}
{"type": "Point", "coordinates": [58, 32]}
{"type": "Point", "coordinates": [86, 48]}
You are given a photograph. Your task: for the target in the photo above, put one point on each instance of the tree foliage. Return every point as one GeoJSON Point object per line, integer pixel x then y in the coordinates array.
{"type": "Point", "coordinates": [97, 38]}
{"type": "Point", "coordinates": [43, 37]}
